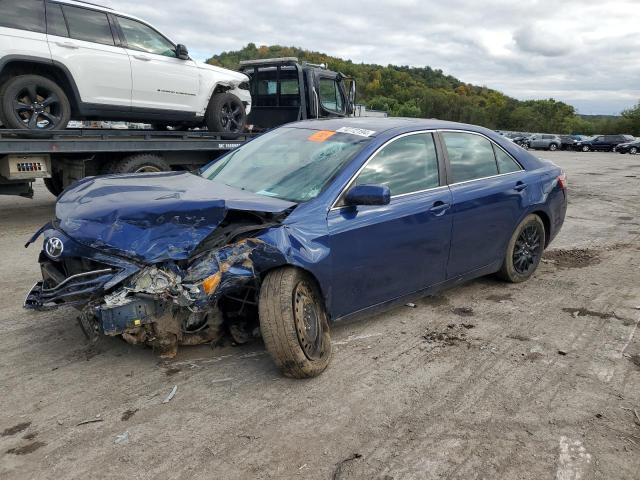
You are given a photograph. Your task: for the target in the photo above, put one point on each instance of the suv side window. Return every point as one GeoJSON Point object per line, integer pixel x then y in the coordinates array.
{"type": "Point", "coordinates": [330, 96]}
{"type": "Point", "coordinates": [506, 163]}
{"type": "Point", "coordinates": [88, 25]}
{"type": "Point", "coordinates": [139, 36]}
{"type": "Point", "coordinates": [471, 156]}
{"type": "Point", "coordinates": [406, 165]}
{"type": "Point", "coordinates": [23, 15]}
{"type": "Point", "coordinates": [56, 24]}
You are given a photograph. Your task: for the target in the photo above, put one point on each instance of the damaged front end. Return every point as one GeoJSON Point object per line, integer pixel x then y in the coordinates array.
{"type": "Point", "coordinates": [172, 302]}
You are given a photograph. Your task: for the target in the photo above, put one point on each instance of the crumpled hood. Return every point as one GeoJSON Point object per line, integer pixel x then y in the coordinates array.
{"type": "Point", "coordinates": [152, 217]}
{"type": "Point", "coordinates": [231, 76]}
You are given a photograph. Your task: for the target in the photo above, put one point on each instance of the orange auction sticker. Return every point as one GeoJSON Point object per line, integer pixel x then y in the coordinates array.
{"type": "Point", "coordinates": [321, 135]}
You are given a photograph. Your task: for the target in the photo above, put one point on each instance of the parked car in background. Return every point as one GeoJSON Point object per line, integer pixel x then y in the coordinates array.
{"type": "Point", "coordinates": [629, 147]}
{"type": "Point", "coordinates": [545, 142]}
{"type": "Point", "coordinates": [521, 139]}
{"type": "Point", "coordinates": [305, 225]}
{"type": "Point", "coordinates": [67, 60]}
{"type": "Point", "coordinates": [602, 143]}
{"type": "Point", "coordinates": [567, 142]}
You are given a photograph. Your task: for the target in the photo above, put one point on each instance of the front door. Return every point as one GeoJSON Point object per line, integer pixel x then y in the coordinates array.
{"type": "Point", "coordinates": [380, 253]}
{"type": "Point", "coordinates": [161, 80]}
{"type": "Point", "coordinates": [487, 188]}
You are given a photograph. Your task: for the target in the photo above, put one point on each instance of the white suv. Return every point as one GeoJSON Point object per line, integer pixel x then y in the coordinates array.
{"type": "Point", "coordinates": [63, 59]}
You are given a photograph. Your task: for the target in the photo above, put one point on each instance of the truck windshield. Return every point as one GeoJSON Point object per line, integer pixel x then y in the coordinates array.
{"type": "Point", "coordinates": [293, 164]}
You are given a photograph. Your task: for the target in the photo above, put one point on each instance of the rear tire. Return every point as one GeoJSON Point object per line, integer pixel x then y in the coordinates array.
{"type": "Point", "coordinates": [585, 148]}
{"type": "Point", "coordinates": [226, 114]}
{"type": "Point", "coordinates": [294, 323]}
{"type": "Point", "coordinates": [633, 150]}
{"type": "Point", "coordinates": [143, 163]}
{"type": "Point", "coordinates": [33, 102]}
{"type": "Point", "coordinates": [553, 147]}
{"type": "Point", "coordinates": [524, 250]}
{"type": "Point", "coordinates": [54, 185]}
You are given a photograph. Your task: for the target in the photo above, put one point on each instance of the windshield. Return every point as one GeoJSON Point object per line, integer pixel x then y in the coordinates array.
{"type": "Point", "coordinates": [293, 164]}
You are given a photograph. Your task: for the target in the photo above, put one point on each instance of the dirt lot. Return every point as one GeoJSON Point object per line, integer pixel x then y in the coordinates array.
{"type": "Point", "coordinates": [490, 381]}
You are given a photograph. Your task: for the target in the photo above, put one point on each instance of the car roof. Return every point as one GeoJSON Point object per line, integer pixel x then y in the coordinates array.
{"type": "Point", "coordinates": [96, 6]}
{"type": "Point", "coordinates": [381, 125]}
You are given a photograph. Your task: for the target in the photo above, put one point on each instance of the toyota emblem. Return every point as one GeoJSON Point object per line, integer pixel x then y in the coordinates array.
{"type": "Point", "coordinates": [54, 247]}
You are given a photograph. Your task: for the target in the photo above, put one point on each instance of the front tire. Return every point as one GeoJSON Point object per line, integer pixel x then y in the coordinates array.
{"type": "Point", "coordinates": [226, 114]}
{"type": "Point", "coordinates": [294, 323]}
{"type": "Point", "coordinates": [585, 148]}
{"type": "Point", "coordinates": [524, 250]}
{"type": "Point", "coordinates": [553, 147]}
{"type": "Point", "coordinates": [33, 102]}
{"type": "Point", "coordinates": [633, 150]}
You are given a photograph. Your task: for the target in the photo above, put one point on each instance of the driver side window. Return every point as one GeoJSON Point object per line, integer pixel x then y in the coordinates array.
{"type": "Point", "coordinates": [406, 165]}
{"type": "Point", "coordinates": [139, 36]}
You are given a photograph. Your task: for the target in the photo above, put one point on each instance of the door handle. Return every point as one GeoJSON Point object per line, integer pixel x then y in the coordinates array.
{"type": "Point", "coordinates": [70, 45]}
{"type": "Point", "coordinates": [142, 57]}
{"type": "Point", "coordinates": [439, 208]}
{"type": "Point", "coordinates": [520, 186]}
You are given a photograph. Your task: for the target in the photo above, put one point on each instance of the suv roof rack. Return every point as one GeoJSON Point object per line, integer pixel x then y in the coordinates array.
{"type": "Point", "coordinates": [269, 60]}
{"type": "Point", "coordinates": [92, 4]}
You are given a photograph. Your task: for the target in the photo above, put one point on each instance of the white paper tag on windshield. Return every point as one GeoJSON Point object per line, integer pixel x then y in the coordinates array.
{"type": "Point", "coordinates": [361, 132]}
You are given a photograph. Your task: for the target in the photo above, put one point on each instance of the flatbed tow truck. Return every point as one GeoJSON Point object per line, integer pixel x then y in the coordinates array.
{"type": "Point", "coordinates": [283, 90]}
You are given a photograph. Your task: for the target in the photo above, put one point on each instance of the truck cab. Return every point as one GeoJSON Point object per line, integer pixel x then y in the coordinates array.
{"type": "Point", "coordinates": [286, 90]}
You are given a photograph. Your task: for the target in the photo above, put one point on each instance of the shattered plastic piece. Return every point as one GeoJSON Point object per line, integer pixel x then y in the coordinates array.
{"type": "Point", "coordinates": [411, 305]}
{"type": "Point", "coordinates": [122, 439]}
{"type": "Point", "coordinates": [171, 394]}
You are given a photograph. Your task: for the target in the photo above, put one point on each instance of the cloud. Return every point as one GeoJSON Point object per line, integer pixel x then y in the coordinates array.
{"type": "Point", "coordinates": [576, 50]}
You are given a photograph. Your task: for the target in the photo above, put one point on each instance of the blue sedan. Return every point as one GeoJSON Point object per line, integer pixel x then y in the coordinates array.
{"type": "Point", "coordinates": [308, 224]}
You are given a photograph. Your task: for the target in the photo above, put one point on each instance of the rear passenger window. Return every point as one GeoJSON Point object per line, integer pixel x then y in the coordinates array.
{"type": "Point", "coordinates": [506, 164]}
{"type": "Point", "coordinates": [55, 21]}
{"type": "Point", "coordinates": [88, 25]}
{"type": "Point", "coordinates": [408, 164]}
{"type": "Point", "coordinates": [471, 156]}
{"type": "Point", "coordinates": [23, 15]}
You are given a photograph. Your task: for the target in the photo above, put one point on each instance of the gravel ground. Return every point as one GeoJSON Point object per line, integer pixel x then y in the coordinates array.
{"type": "Point", "coordinates": [488, 380]}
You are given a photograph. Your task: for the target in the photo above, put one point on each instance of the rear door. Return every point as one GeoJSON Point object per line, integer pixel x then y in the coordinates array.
{"type": "Point", "coordinates": [487, 187]}
{"type": "Point", "coordinates": [380, 253]}
{"type": "Point", "coordinates": [161, 80]}
{"type": "Point", "coordinates": [22, 29]}
{"type": "Point", "coordinates": [82, 40]}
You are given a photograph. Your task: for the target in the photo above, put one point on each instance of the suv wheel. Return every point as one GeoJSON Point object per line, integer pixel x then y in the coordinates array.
{"type": "Point", "coordinates": [633, 150]}
{"type": "Point", "coordinates": [226, 113]}
{"type": "Point", "coordinates": [33, 102]}
{"type": "Point", "coordinates": [553, 147]}
{"type": "Point", "coordinates": [585, 148]}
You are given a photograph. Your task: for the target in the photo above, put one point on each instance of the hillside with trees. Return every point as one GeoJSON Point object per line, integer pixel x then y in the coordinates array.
{"type": "Point", "coordinates": [429, 93]}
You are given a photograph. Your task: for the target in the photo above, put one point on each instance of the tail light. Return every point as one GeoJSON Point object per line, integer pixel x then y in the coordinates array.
{"type": "Point", "coordinates": [562, 181]}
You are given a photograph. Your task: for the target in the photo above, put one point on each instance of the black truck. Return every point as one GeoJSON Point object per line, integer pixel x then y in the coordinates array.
{"type": "Point", "coordinates": [283, 90]}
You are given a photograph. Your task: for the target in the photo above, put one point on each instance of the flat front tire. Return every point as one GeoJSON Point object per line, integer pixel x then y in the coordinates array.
{"type": "Point", "coordinates": [294, 323]}
{"type": "Point", "coordinates": [524, 250]}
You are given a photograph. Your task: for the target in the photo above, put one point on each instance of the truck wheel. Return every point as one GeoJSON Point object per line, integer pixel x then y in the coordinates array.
{"type": "Point", "coordinates": [54, 185]}
{"type": "Point", "coordinates": [524, 251]}
{"type": "Point", "coordinates": [143, 163]}
{"type": "Point", "coordinates": [226, 113]}
{"type": "Point", "coordinates": [293, 322]}
{"type": "Point", "coordinates": [33, 102]}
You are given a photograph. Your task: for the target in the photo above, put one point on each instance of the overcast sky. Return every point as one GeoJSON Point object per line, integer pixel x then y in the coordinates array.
{"type": "Point", "coordinates": [584, 52]}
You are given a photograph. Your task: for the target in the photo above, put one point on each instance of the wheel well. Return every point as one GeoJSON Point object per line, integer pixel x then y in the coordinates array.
{"type": "Point", "coordinates": [52, 72]}
{"type": "Point", "coordinates": [547, 225]}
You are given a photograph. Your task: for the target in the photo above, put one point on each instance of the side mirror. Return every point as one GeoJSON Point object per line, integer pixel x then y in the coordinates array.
{"type": "Point", "coordinates": [368, 195]}
{"type": "Point", "coordinates": [181, 52]}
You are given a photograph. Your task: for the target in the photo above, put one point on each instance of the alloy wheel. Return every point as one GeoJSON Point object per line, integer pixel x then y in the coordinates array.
{"type": "Point", "coordinates": [633, 150]}
{"type": "Point", "coordinates": [37, 107]}
{"type": "Point", "coordinates": [231, 116]}
{"type": "Point", "coordinates": [527, 249]}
